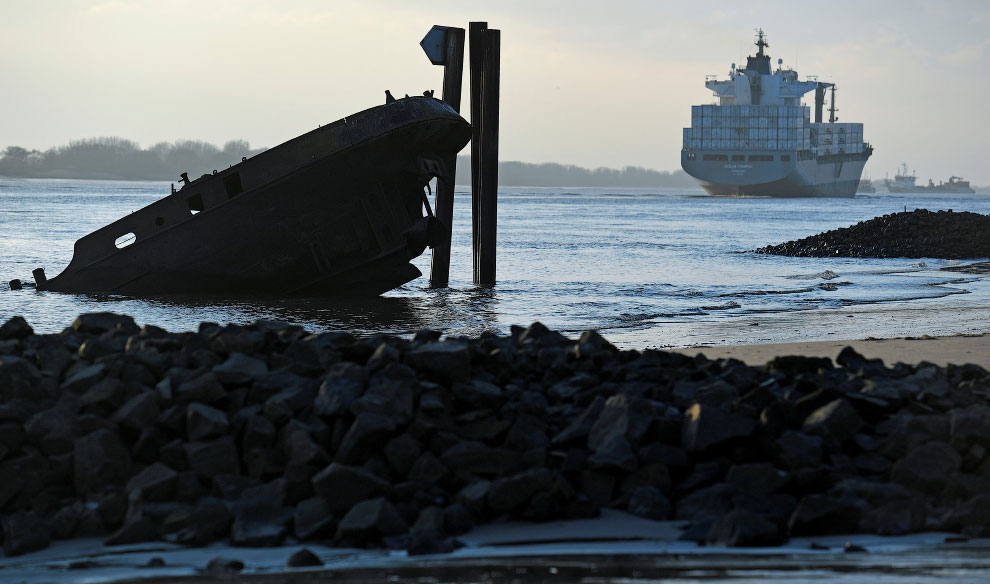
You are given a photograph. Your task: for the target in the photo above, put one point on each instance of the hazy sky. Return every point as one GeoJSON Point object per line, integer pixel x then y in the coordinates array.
{"type": "Point", "coordinates": [583, 82]}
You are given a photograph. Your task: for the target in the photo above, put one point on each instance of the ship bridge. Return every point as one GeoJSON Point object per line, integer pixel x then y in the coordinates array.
{"type": "Point", "coordinates": [757, 85]}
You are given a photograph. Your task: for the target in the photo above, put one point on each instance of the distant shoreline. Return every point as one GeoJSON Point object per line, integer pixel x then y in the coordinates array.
{"type": "Point", "coordinates": [115, 158]}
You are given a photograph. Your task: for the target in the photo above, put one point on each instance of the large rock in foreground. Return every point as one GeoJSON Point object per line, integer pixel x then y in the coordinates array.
{"type": "Point", "coordinates": [254, 434]}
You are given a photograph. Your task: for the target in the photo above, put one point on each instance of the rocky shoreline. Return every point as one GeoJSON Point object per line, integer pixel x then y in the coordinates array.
{"type": "Point", "coordinates": [913, 234]}
{"type": "Point", "coordinates": [265, 434]}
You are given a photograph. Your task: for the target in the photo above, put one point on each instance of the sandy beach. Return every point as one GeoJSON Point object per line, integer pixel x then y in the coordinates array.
{"type": "Point", "coordinates": [942, 351]}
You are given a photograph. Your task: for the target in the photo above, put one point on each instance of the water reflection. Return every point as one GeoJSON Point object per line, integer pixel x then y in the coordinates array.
{"type": "Point", "coordinates": [466, 312]}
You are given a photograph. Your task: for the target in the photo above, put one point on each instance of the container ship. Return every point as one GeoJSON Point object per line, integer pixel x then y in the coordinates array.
{"type": "Point", "coordinates": [904, 183]}
{"type": "Point", "coordinates": [759, 140]}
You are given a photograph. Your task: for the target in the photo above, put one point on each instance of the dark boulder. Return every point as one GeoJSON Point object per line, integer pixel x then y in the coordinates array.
{"type": "Point", "coordinates": [836, 419]}
{"type": "Point", "coordinates": [303, 559]}
{"type": "Point", "coordinates": [614, 454]}
{"type": "Point", "coordinates": [65, 520]}
{"type": "Point", "coordinates": [239, 369]}
{"type": "Point", "coordinates": [707, 503]}
{"type": "Point", "coordinates": [823, 515]}
{"type": "Point", "coordinates": [313, 518]}
{"type": "Point", "coordinates": [928, 468]}
{"type": "Point", "coordinates": [795, 450]}
{"type": "Point", "coordinates": [369, 521]}
{"type": "Point", "coordinates": [15, 328]}
{"type": "Point", "coordinates": [336, 394]}
{"type": "Point", "coordinates": [446, 360]}
{"type": "Point", "coordinates": [366, 437]}
{"type": "Point", "coordinates": [510, 493]}
{"type": "Point", "coordinates": [622, 417]}
{"type": "Point", "coordinates": [477, 458]}
{"type": "Point", "coordinates": [969, 426]}
{"type": "Point", "coordinates": [100, 459]}
{"type": "Point", "coordinates": [707, 427]}
{"type": "Point", "coordinates": [343, 486]}
{"type": "Point", "coordinates": [23, 532]}
{"type": "Point", "coordinates": [401, 453]}
{"type": "Point", "coordinates": [650, 503]}
{"type": "Point", "coordinates": [19, 378]}
{"type": "Point", "coordinates": [208, 521]}
{"type": "Point", "coordinates": [428, 470]}
{"type": "Point", "coordinates": [101, 322]}
{"type": "Point", "coordinates": [208, 459]}
{"type": "Point", "coordinates": [81, 377]}
{"type": "Point", "coordinates": [393, 399]}
{"type": "Point", "coordinates": [204, 422]}
{"type": "Point", "coordinates": [973, 514]}
{"type": "Point", "coordinates": [427, 535]}
{"type": "Point", "coordinates": [741, 528]}
{"type": "Point", "coordinates": [760, 477]}
{"type": "Point", "coordinates": [258, 432]}
{"type": "Point", "coordinates": [156, 482]}
{"type": "Point", "coordinates": [457, 519]}
{"type": "Point", "coordinates": [203, 388]}
{"type": "Point", "coordinates": [137, 530]}
{"type": "Point", "coordinates": [581, 426]}
{"type": "Point", "coordinates": [223, 567]}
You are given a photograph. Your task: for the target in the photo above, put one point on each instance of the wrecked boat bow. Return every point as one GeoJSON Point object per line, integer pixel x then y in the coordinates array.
{"type": "Point", "coordinates": [337, 210]}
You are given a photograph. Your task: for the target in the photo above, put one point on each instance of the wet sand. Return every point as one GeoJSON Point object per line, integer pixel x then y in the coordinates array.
{"type": "Point", "coordinates": [614, 548]}
{"type": "Point", "coordinates": [942, 351]}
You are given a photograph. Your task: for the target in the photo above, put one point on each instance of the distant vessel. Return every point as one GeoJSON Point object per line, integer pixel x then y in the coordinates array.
{"type": "Point", "coordinates": [866, 186]}
{"type": "Point", "coordinates": [759, 139]}
{"type": "Point", "coordinates": [904, 183]}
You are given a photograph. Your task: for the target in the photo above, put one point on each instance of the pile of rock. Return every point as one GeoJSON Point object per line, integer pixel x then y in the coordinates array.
{"type": "Point", "coordinates": [914, 234]}
{"type": "Point", "coordinates": [264, 433]}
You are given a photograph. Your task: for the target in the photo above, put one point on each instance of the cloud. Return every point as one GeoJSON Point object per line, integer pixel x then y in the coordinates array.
{"type": "Point", "coordinates": [112, 6]}
{"type": "Point", "coordinates": [967, 54]}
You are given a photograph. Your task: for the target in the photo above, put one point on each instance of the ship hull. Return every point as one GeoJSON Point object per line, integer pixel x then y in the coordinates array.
{"type": "Point", "coordinates": [923, 189]}
{"type": "Point", "coordinates": [788, 174]}
{"type": "Point", "coordinates": [336, 211]}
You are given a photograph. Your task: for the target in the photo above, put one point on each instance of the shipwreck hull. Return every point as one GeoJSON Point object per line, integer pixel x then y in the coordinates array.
{"type": "Point", "coordinates": [338, 210]}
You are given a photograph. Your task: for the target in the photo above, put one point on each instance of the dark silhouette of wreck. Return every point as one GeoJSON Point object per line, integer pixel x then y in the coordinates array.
{"type": "Point", "coordinates": [336, 210]}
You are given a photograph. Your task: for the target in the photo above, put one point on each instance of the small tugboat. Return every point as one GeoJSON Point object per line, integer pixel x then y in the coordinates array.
{"type": "Point", "coordinates": [338, 210]}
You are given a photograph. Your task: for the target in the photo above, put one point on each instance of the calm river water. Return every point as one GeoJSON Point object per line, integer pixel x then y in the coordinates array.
{"type": "Point", "coordinates": [647, 267]}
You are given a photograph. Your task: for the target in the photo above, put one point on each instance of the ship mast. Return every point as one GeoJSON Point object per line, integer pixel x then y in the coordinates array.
{"type": "Point", "coordinates": [832, 109]}
{"type": "Point", "coordinates": [760, 42]}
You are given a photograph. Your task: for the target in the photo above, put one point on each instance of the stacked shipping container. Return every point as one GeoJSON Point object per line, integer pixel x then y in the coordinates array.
{"type": "Point", "coordinates": [837, 138]}
{"type": "Point", "coordinates": [767, 127]}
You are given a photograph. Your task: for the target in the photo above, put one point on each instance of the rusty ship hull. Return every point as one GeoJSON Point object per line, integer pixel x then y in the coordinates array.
{"type": "Point", "coordinates": [339, 210]}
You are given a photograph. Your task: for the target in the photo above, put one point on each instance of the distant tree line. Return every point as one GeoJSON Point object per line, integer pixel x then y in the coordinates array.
{"type": "Point", "coordinates": [552, 174]}
{"type": "Point", "coordinates": [117, 158]}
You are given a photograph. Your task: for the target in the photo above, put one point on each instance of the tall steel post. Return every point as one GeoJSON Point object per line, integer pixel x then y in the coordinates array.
{"type": "Point", "coordinates": [453, 72]}
{"type": "Point", "coordinates": [488, 197]}
{"type": "Point", "coordinates": [476, 58]}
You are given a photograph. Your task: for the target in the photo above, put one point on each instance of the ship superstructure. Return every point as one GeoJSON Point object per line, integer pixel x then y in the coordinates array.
{"type": "Point", "coordinates": [759, 140]}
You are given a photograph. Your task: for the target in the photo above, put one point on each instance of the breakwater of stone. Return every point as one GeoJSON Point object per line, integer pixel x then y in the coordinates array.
{"type": "Point", "coordinates": [262, 434]}
{"type": "Point", "coordinates": [913, 234]}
